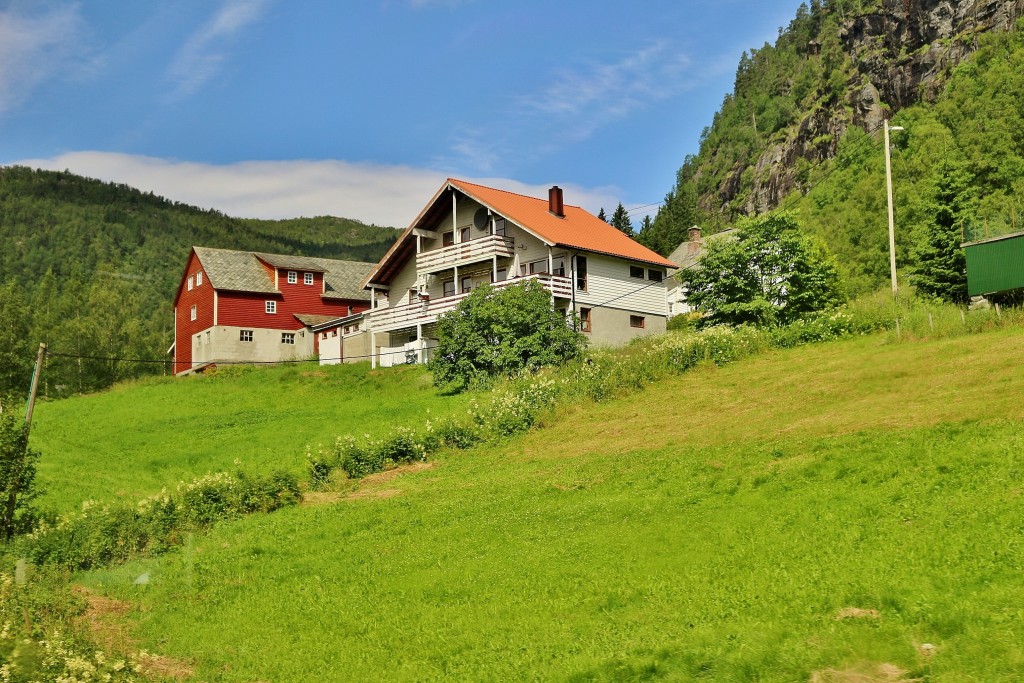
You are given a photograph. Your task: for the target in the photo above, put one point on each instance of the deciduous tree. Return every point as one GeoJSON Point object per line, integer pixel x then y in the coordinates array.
{"type": "Point", "coordinates": [496, 331]}
{"type": "Point", "coordinates": [770, 274]}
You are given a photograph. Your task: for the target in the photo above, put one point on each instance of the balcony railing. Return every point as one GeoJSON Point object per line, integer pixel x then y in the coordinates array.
{"type": "Point", "coordinates": [426, 312]}
{"type": "Point", "coordinates": [472, 251]}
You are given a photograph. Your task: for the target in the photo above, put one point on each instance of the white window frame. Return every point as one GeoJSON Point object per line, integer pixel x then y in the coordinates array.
{"type": "Point", "coordinates": [245, 336]}
{"type": "Point", "coordinates": [307, 278]}
{"type": "Point", "coordinates": [288, 338]}
{"type": "Point", "coordinates": [199, 278]}
{"type": "Point", "coordinates": [192, 312]}
{"type": "Point", "coordinates": [191, 282]}
{"type": "Point", "coordinates": [270, 307]}
{"type": "Point", "coordinates": [293, 277]}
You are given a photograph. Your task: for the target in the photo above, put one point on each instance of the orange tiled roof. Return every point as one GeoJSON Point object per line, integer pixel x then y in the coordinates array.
{"type": "Point", "coordinates": [578, 230]}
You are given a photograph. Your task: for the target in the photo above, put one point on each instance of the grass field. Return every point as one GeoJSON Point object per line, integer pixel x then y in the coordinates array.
{"type": "Point", "coordinates": [841, 510]}
{"type": "Point", "coordinates": [141, 436]}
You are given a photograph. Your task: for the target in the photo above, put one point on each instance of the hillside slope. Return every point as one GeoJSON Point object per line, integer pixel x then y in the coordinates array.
{"type": "Point", "coordinates": [813, 514]}
{"type": "Point", "coordinates": [91, 267]}
{"type": "Point", "coordinates": [812, 104]}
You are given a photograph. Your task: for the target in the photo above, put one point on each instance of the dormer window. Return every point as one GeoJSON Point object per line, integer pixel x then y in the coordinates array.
{"type": "Point", "coordinates": [293, 277]}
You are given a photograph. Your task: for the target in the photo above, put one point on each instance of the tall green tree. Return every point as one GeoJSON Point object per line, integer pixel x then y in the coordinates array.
{"type": "Point", "coordinates": [15, 348]}
{"type": "Point", "coordinates": [602, 215]}
{"type": "Point", "coordinates": [497, 331]}
{"type": "Point", "coordinates": [940, 268]}
{"type": "Point", "coordinates": [770, 274]}
{"type": "Point", "coordinates": [620, 220]}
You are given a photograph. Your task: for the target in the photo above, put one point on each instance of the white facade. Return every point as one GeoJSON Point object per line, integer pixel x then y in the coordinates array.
{"type": "Point", "coordinates": [457, 254]}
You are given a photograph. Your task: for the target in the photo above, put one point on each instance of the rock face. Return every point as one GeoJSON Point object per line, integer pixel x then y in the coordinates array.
{"type": "Point", "coordinates": [901, 56]}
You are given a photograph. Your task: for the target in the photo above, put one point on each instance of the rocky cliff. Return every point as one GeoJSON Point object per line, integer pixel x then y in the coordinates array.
{"type": "Point", "coordinates": [894, 57]}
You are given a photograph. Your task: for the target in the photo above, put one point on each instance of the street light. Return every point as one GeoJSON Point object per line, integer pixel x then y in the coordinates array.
{"type": "Point", "coordinates": [888, 187]}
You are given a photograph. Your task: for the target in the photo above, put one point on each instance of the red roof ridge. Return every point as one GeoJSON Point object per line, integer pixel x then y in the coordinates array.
{"type": "Point", "coordinates": [516, 194]}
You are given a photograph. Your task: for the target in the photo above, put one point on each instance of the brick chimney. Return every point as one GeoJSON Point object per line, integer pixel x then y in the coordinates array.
{"type": "Point", "coordinates": [555, 205]}
{"type": "Point", "coordinates": [696, 241]}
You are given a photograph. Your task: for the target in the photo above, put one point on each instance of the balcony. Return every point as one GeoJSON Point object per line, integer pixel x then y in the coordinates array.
{"type": "Point", "coordinates": [427, 312]}
{"type": "Point", "coordinates": [473, 251]}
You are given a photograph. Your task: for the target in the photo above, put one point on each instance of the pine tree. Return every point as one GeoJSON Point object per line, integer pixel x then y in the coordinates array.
{"type": "Point", "coordinates": [620, 220]}
{"type": "Point", "coordinates": [941, 267]}
{"type": "Point", "coordinates": [602, 215]}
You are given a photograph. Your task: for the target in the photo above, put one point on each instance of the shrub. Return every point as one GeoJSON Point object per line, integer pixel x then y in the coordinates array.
{"type": "Point", "coordinates": [102, 534]}
{"type": "Point", "coordinates": [500, 331]}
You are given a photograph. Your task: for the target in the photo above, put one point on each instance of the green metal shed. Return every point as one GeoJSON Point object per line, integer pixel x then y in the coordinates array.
{"type": "Point", "coordinates": [995, 264]}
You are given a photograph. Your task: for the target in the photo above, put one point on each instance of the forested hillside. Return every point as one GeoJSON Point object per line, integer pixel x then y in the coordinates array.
{"type": "Point", "coordinates": [91, 268]}
{"type": "Point", "coordinates": [802, 129]}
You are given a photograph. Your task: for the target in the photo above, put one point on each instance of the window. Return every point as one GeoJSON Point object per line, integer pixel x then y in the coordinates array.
{"type": "Point", "coordinates": [270, 306]}
{"type": "Point", "coordinates": [448, 239]}
{"type": "Point", "coordinates": [584, 320]}
{"type": "Point", "coordinates": [502, 275]}
{"type": "Point", "coordinates": [334, 333]}
{"type": "Point", "coordinates": [245, 335]}
{"type": "Point", "coordinates": [199, 278]}
{"type": "Point", "coordinates": [558, 266]}
{"type": "Point", "coordinates": [538, 267]}
{"type": "Point", "coordinates": [499, 227]}
{"type": "Point", "coordinates": [293, 277]}
{"type": "Point", "coordinates": [287, 337]}
{"type": "Point", "coordinates": [323, 335]}
{"type": "Point", "coordinates": [464, 235]}
{"type": "Point", "coordinates": [448, 288]}
{"type": "Point", "coordinates": [192, 313]}
{"type": "Point", "coordinates": [466, 284]}
{"type": "Point", "coordinates": [191, 282]}
{"type": "Point", "coordinates": [655, 275]}
{"type": "Point", "coordinates": [207, 336]}
{"type": "Point", "coordinates": [581, 273]}
{"type": "Point", "coordinates": [307, 278]}
{"type": "Point", "coordinates": [636, 321]}
{"type": "Point", "coordinates": [636, 271]}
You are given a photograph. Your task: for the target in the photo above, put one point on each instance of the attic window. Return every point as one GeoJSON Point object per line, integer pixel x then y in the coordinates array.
{"type": "Point", "coordinates": [199, 278]}
{"type": "Point", "coordinates": [655, 275]}
{"type": "Point", "coordinates": [191, 282]}
{"type": "Point", "coordinates": [293, 277]}
{"type": "Point", "coordinates": [307, 278]}
{"type": "Point", "coordinates": [636, 271]}
{"type": "Point", "coordinates": [192, 313]}
{"type": "Point", "coordinates": [499, 226]}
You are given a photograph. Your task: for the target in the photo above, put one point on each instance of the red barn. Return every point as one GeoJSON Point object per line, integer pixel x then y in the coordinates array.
{"type": "Point", "coordinates": [244, 306]}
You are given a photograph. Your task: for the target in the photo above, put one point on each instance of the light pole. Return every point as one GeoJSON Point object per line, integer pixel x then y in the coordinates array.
{"type": "Point", "coordinates": [888, 187]}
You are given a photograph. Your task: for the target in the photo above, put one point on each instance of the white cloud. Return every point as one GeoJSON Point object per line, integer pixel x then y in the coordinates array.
{"type": "Point", "coordinates": [203, 54]}
{"type": "Point", "coordinates": [33, 49]}
{"type": "Point", "coordinates": [575, 104]}
{"type": "Point", "coordinates": [373, 193]}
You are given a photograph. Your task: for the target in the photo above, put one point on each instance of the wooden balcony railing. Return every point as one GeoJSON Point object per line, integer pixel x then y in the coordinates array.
{"type": "Point", "coordinates": [472, 251]}
{"type": "Point", "coordinates": [427, 312]}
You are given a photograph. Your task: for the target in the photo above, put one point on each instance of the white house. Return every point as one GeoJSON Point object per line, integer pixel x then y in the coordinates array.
{"type": "Point", "coordinates": [469, 234]}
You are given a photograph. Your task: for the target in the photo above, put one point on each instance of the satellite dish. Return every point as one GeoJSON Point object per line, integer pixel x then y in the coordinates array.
{"type": "Point", "coordinates": [481, 218]}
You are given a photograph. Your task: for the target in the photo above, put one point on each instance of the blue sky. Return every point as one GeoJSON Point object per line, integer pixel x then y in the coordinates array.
{"type": "Point", "coordinates": [281, 108]}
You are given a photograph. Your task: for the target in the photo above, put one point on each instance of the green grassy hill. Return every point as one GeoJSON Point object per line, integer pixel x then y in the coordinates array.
{"type": "Point", "coordinates": [141, 436]}
{"type": "Point", "coordinates": [838, 512]}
